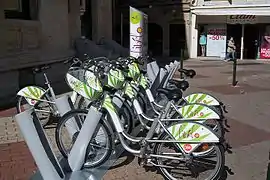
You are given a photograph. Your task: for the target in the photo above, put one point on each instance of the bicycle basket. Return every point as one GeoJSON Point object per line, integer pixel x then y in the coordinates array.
{"type": "Point", "coordinates": [85, 83]}
{"type": "Point", "coordinates": [115, 79]}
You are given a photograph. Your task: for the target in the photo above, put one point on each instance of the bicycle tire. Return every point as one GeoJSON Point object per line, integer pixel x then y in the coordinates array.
{"type": "Point", "coordinates": [45, 121]}
{"type": "Point", "coordinates": [102, 122]}
{"type": "Point", "coordinates": [219, 170]}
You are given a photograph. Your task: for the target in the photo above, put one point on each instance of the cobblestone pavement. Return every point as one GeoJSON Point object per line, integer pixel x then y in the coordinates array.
{"type": "Point", "coordinates": [248, 116]}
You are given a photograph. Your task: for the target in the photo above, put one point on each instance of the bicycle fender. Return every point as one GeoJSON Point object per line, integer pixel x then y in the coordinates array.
{"type": "Point", "coordinates": [197, 112]}
{"type": "Point", "coordinates": [202, 98]}
{"type": "Point", "coordinates": [192, 135]}
{"type": "Point", "coordinates": [32, 94]}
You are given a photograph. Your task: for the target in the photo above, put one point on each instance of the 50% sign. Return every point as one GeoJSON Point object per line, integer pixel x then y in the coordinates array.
{"type": "Point", "coordinates": [217, 37]}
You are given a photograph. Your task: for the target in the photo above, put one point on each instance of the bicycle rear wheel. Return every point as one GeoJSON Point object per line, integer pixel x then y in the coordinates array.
{"type": "Point", "coordinates": [210, 166]}
{"type": "Point", "coordinates": [100, 146]}
{"type": "Point", "coordinates": [43, 109]}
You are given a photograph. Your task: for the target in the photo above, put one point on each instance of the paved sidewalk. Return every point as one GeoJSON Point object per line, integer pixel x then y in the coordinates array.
{"type": "Point", "coordinates": [249, 136]}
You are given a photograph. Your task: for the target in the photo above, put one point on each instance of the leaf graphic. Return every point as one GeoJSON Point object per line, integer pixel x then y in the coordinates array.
{"type": "Point", "coordinates": [206, 115]}
{"type": "Point", "coordinates": [190, 107]}
{"type": "Point", "coordinates": [188, 99]}
{"type": "Point", "coordinates": [183, 111]}
{"type": "Point", "coordinates": [201, 98]}
{"type": "Point", "coordinates": [173, 130]}
{"type": "Point", "coordinates": [37, 91]}
{"type": "Point", "coordinates": [189, 131]}
{"type": "Point", "coordinates": [181, 129]}
{"type": "Point", "coordinates": [196, 111]}
{"type": "Point", "coordinates": [26, 94]}
{"type": "Point", "coordinates": [86, 90]}
{"type": "Point", "coordinates": [194, 97]}
{"type": "Point", "coordinates": [32, 92]}
{"type": "Point", "coordinates": [208, 102]}
{"type": "Point", "coordinates": [201, 137]}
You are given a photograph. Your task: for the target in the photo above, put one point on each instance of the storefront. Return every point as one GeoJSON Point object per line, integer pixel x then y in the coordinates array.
{"type": "Point", "coordinates": [248, 26]}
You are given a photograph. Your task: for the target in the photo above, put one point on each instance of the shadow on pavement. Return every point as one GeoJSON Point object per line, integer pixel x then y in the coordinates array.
{"type": "Point", "coordinates": [125, 159]}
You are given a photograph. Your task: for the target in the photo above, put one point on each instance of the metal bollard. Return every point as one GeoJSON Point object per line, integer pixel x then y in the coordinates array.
{"type": "Point", "coordinates": [234, 81]}
{"type": "Point", "coordinates": [63, 106]}
{"type": "Point", "coordinates": [181, 62]}
{"type": "Point", "coordinates": [39, 146]}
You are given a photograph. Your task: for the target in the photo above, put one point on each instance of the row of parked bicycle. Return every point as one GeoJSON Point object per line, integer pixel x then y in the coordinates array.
{"type": "Point", "coordinates": [183, 136]}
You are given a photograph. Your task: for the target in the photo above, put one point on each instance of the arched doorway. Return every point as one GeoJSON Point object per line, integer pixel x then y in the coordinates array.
{"type": "Point", "coordinates": [155, 39]}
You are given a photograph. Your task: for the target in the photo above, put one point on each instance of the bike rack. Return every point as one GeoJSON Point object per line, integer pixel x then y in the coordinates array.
{"type": "Point", "coordinates": [49, 166]}
{"type": "Point", "coordinates": [63, 106]}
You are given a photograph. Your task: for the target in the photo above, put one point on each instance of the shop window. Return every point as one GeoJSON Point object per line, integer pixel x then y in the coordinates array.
{"type": "Point", "coordinates": [21, 9]}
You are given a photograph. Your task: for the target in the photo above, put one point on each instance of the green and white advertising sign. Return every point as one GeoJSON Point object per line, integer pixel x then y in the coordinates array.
{"type": "Point", "coordinates": [138, 33]}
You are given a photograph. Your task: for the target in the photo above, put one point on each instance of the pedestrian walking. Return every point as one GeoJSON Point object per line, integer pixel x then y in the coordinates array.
{"type": "Point", "coordinates": [230, 50]}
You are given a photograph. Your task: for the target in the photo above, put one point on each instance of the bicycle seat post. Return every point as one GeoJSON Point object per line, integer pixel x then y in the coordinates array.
{"type": "Point", "coordinates": [47, 82]}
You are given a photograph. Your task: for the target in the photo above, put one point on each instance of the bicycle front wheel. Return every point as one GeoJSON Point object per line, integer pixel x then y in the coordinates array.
{"type": "Point", "coordinates": [100, 146]}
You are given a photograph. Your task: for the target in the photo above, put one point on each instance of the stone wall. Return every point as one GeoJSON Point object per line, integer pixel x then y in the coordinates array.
{"type": "Point", "coordinates": [102, 19]}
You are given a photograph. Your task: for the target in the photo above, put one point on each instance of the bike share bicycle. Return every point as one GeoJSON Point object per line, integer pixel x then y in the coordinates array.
{"type": "Point", "coordinates": [175, 132]}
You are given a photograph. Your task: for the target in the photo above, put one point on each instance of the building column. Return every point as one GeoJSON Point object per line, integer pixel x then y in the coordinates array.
{"type": "Point", "coordinates": [101, 19]}
{"type": "Point", "coordinates": [53, 16]}
{"type": "Point", "coordinates": [74, 20]}
{"type": "Point", "coordinates": [194, 37]}
{"type": "Point", "coordinates": [242, 42]}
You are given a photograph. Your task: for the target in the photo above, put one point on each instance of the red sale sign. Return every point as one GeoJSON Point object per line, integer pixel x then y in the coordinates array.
{"type": "Point", "coordinates": [265, 53]}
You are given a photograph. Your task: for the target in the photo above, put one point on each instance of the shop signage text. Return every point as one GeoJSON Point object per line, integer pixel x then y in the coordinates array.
{"type": "Point", "coordinates": [241, 19]}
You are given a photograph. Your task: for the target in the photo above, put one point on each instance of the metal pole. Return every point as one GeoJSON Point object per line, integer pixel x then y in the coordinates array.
{"type": "Point", "coordinates": [234, 82]}
{"type": "Point", "coordinates": [242, 42]}
{"type": "Point", "coordinates": [181, 62]}
{"type": "Point", "coordinates": [121, 29]}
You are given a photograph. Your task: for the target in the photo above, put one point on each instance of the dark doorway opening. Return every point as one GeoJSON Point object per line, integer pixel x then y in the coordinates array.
{"type": "Point", "coordinates": [86, 20]}
{"type": "Point", "coordinates": [251, 35]}
{"type": "Point", "coordinates": [177, 39]}
{"type": "Point", "coordinates": [235, 31]}
{"type": "Point", "coordinates": [155, 39]}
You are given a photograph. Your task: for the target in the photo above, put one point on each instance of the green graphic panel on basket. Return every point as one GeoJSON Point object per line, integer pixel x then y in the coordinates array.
{"type": "Point", "coordinates": [107, 104]}
{"type": "Point", "coordinates": [89, 88]}
{"type": "Point", "coordinates": [133, 71]}
{"type": "Point", "coordinates": [202, 98]}
{"type": "Point", "coordinates": [129, 91]}
{"type": "Point", "coordinates": [197, 112]}
{"type": "Point", "coordinates": [115, 79]}
{"type": "Point", "coordinates": [143, 81]}
{"type": "Point", "coordinates": [32, 94]}
{"type": "Point", "coordinates": [192, 134]}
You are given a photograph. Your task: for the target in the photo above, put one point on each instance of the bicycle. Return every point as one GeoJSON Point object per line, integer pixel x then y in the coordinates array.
{"type": "Point", "coordinates": [184, 137]}
{"type": "Point", "coordinates": [43, 100]}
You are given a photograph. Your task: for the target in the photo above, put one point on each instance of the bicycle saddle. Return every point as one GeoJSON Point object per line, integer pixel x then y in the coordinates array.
{"type": "Point", "coordinates": [188, 72]}
{"type": "Point", "coordinates": [181, 84]}
{"type": "Point", "coordinates": [38, 69]}
{"type": "Point", "coordinates": [171, 94]}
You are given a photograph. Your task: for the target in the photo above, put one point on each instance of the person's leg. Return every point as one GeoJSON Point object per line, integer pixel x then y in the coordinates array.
{"type": "Point", "coordinates": [227, 56]}
{"type": "Point", "coordinates": [233, 55]}
{"type": "Point", "coordinates": [203, 50]}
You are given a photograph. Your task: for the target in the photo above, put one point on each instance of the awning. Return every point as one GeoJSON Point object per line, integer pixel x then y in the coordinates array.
{"type": "Point", "coordinates": [258, 10]}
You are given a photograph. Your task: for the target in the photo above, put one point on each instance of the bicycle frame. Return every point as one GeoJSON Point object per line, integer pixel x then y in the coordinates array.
{"type": "Point", "coordinates": [149, 137]}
